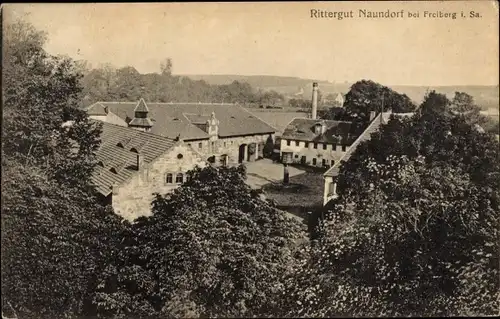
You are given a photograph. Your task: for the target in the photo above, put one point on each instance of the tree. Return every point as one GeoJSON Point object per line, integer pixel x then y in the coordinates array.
{"type": "Point", "coordinates": [434, 103]}
{"type": "Point", "coordinates": [166, 67]}
{"type": "Point", "coordinates": [366, 96]}
{"type": "Point", "coordinates": [417, 234]}
{"type": "Point", "coordinates": [55, 234]}
{"type": "Point", "coordinates": [202, 253]}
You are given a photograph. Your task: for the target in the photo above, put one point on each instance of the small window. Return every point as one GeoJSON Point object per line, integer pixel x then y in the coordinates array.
{"type": "Point", "coordinates": [179, 178]}
{"type": "Point", "coordinates": [120, 144]}
{"type": "Point", "coordinates": [100, 164]}
{"type": "Point", "coordinates": [224, 144]}
{"type": "Point", "coordinates": [296, 156]}
{"type": "Point", "coordinates": [334, 147]}
{"type": "Point", "coordinates": [189, 144]}
{"type": "Point", "coordinates": [344, 148]}
{"type": "Point", "coordinates": [332, 162]}
{"type": "Point", "coordinates": [315, 145]}
{"type": "Point", "coordinates": [306, 144]}
{"type": "Point", "coordinates": [213, 144]}
{"type": "Point", "coordinates": [179, 156]}
{"type": "Point", "coordinates": [288, 142]}
{"type": "Point", "coordinates": [113, 170]}
{"type": "Point", "coordinates": [314, 161]}
{"type": "Point", "coordinates": [323, 162]}
{"type": "Point", "coordinates": [200, 145]}
{"type": "Point", "coordinates": [133, 149]}
{"type": "Point", "coordinates": [297, 143]}
{"type": "Point", "coordinates": [325, 146]}
{"type": "Point", "coordinates": [169, 178]}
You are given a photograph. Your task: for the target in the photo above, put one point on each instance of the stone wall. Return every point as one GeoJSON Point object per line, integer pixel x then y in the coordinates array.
{"type": "Point", "coordinates": [133, 198]}
{"type": "Point", "coordinates": [230, 147]}
{"type": "Point", "coordinates": [329, 154]}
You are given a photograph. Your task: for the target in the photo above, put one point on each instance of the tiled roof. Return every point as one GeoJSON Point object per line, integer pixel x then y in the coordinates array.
{"type": "Point", "coordinates": [303, 129]}
{"type": "Point", "coordinates": [96, 109]}
{"type": "Point", "coordinates": [117, 153]}
{"type": "Point", "coordinates": [143, 122]}
{"type": "Point", "coordinates": [171, 120]}
{"type": "Point", "coordinates": [365, 136]}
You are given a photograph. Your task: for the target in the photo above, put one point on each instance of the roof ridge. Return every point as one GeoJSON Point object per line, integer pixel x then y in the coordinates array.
{"type": "Point", "coordinates": [140, 132]}
{"type": "Point", "coordinates": [356, 142]}
{"type": "Point", "coordinates": [244, 109]}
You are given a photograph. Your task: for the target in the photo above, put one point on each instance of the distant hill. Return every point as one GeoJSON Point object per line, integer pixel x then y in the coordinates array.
{"type": "Point", "coordinates": [487, 97]}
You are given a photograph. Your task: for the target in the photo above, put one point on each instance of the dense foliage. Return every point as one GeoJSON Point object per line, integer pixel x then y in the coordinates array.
{"type": "Point", "coordinates": [212, 248]}
{"type": "Point", "coordinates": [415, 229]}
{"type": "Point", "coordinates": [366, 96]}
{"type": "Point", "coordinates": [54, 235]}
{"type": "Point", "coordinates": [106, 83]}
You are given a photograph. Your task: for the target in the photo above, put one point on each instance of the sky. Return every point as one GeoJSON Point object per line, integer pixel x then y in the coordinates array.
{"type": "Point", "coordinates": [280, 39]}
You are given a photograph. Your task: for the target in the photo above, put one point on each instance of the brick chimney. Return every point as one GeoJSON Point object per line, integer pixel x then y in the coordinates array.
{"type": "Point", "coordinates": [314, 100]}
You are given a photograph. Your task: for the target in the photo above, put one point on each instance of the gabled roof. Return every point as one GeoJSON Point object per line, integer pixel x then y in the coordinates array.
{"type": "Point", "coordinates": [302, 129]}
{"type": "Point", "coordinates": [365, 136]}
{"type": "Point", "coordinates": [118, 153]}
{"type": "Point", "coordinates": [173, 119]}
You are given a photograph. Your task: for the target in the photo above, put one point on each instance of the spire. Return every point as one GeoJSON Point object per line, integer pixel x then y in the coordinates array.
{"type": "Point", "coordinates": [141, 106]}
{"type": "Point", "coordinates": [141, 118]}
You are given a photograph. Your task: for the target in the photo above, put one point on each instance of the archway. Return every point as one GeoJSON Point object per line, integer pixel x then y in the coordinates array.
{"type": "Point", "coordinates": [252, 152]}
{"type": "Point", "coordinates": [242, 153]}
{"type": "Point", "coordinates": [211, 159]}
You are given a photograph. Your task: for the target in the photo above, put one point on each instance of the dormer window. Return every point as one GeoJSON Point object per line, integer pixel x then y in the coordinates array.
{"type": "Point", "coordinates": [318, 128]}
{"type": "Point", "coordinates": [113, 170]}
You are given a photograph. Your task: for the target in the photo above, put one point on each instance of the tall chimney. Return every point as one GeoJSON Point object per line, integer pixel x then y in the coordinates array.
{"type": "Point", "coordinates": [314, 100]}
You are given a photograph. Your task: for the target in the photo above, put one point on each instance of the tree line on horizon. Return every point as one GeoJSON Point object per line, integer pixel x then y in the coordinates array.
{"type": "Point", "coordinates": [108, 83]}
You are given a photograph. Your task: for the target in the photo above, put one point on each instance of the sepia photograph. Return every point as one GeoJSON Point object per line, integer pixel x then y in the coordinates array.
{"type": "Point", "coordinates": [250, 160]}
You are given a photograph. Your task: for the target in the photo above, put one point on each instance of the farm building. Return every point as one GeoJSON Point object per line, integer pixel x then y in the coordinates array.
{"type": "Point", "coordinates": [224, 133]}
{"type": "Point", "coordinates": [134, 164]}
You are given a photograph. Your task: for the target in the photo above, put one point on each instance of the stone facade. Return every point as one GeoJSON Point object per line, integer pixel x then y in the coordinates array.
{"type": "Point", "coordinates": [238, 149]}
{"type": "Point", "coordinates": [133, 198]}
{"type": "Point", "coordinates": [311, 153]}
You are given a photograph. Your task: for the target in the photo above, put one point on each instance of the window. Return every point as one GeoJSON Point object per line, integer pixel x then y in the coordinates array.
{"type": "Point", "coordinates": [344, 148]}
{"type": "Point", "coordinates": [200, 145]}
{"type": "Point", "coordinates": [314, 161]}
{"type": "Point", "coordinates": [180, 156]}
{"type": "Point", "coordinates": [296, 156]}
{"type": "Point", "coordinates": [315, 145]}
{"type": "Point", "coordinates": [334, 147]}
{"type": "Point", "coordinates": [189, 144]}
{"type": "Point", "coordinates": [169, 179]}
{"type": "Point", "coordinates": [306, 144]}
{"type": "Point", "coordinates": [224, 144]}
{"type": "Point", "coordinates": [288, 142]}
{"type": "Point", "coordinates": [323, 162]}
{"type": "Point", "coordinates": [297, 143]}
{"type": "Point", "coordinates": [332, 162]}
{"type": "Point", "coordinates": [213, 144]}
{"type": "Point", "coordinates": [179, 178]}
{"type": "Point", "coordinates": [325, 146]}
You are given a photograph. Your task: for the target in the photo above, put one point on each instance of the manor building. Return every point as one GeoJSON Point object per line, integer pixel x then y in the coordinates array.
{"type": "Point", "coordinates": [221, 133]}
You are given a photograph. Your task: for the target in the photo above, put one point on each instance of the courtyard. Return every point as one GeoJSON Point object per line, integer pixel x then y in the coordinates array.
{"type": "Point", "coordinates": [304, 190]}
